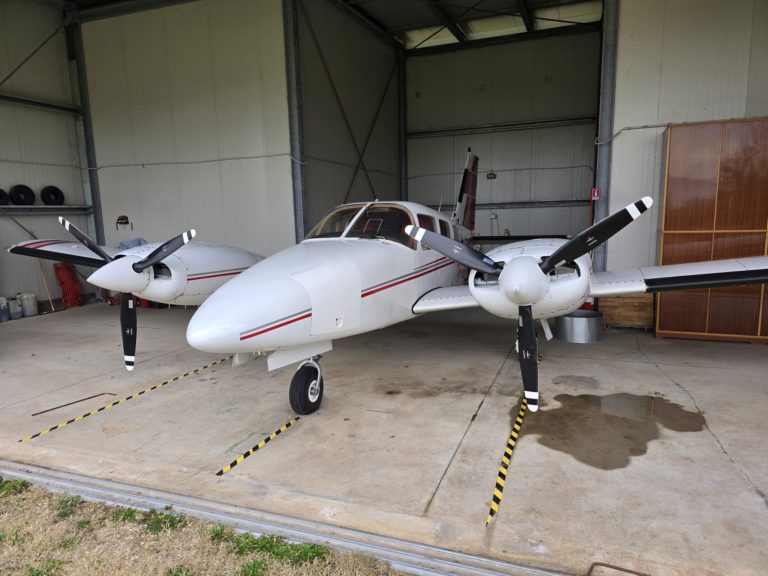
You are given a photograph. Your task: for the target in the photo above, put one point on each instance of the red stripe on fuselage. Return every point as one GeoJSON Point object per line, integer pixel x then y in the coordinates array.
{"type": "Point", "coordinates": [404, 280]}
{"type": "Point", "coordinates": [215, 275]}
{"type": "Point", "coordinates": [305, 316]}
{"type": "Point", "coordinates": [433, 262]}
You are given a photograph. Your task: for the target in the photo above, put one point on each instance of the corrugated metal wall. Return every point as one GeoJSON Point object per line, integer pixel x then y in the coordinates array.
{"type": "Point", "coordinates": [361, 71]}
{"type": "Point", "coordinates": [191, 123]}
{"type": "Point", "coordinates": [37, 147]}
{"type": "Point", "coordinates": [537, 80]}
{"type": "Point", "coordinates": [678, 61]}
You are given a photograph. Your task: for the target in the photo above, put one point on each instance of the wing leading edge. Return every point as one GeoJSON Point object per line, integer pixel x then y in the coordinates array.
{"type": "Point", "coordinates": [60, 251]}
{"type": "Point", "coordinates": [450, 298]}
{"type": "Point", "coordinates": [712, 274]}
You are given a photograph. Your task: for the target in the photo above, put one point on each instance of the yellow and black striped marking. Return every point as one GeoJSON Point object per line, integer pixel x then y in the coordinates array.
{"type": "Point", "coordinates": [124, 400]}
{"type": "Point", "coordinates": [498, 491]}
{"type": "Point", "coordinates": [258, 446]}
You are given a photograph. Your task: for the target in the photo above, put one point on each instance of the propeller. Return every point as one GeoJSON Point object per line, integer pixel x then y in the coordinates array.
{"type": "Point", "coordinates": [528, 353]}
{"type": "Point", "coordinates": [525, 281]}
{"type": "Point", "coordinates": [120, 275]}
{"type": "Point", "coordinates": [461, 253]}
{"type": "Point", "coordinates": [596, 234]}
{"type": "Point", "coordinates": [84, 240]}
{"type": "Point", "coordinates": [164, 250]}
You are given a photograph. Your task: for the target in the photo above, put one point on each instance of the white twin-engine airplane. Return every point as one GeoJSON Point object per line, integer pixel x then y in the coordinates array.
{"type": "Point", "coordinates": [173, 272]}
{"type": "Point", "coordinates": [366, 266]}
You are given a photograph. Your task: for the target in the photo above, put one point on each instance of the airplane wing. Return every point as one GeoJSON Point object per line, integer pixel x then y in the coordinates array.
{"type": "Point", "coordinates": [61, 251]}
{"type": "Point", "coordinates": [450, 298]}
{"type": "Point", "coordinates": [712, 274]}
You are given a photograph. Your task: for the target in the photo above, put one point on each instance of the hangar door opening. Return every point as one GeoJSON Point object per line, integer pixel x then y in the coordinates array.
{"type": "Point", "coordinates": [528, 109]}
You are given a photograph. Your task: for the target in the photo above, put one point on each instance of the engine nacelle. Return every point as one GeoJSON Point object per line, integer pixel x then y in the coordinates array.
{"type": "Point", "coordinates": [568, 286]}
{"type": "Point", "coordinates": [166, 282]}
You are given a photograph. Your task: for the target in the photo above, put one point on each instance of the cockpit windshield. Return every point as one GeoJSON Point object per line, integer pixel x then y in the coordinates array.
{"type": "Point", "coordinates": [382, 221]}
{"type": "Point", "coordinates": [335, 222]}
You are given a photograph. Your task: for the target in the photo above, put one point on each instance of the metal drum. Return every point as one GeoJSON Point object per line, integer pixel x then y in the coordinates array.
{"type": "Point", "coordinates": [581, 327]}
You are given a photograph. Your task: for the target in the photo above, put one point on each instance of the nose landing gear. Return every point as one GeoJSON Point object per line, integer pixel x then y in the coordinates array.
{"type": "Point", "coordinates": [306, 392]}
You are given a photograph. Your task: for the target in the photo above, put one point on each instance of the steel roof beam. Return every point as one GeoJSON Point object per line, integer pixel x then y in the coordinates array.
{"type": "Point", "coordinates": [536, 34]}
{"type": "Point", "coordinates": [368, 21]}
{"type": "Point", "coordinates": [448, 22]}
{"type": "Point", "coordinates": [525, 14]}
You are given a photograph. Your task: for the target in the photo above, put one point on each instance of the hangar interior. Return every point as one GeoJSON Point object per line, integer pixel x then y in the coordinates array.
{"type": "Point", "coordinates": [249, 119]}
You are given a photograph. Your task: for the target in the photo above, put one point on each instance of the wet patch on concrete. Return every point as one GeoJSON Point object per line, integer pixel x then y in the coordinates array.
{"type": "Point", "coordinates": [607, 431]}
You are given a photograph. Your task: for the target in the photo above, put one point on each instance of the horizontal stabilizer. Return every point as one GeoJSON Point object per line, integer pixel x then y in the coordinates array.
{"type": "Point", "coordinates": [451, 298]}
{"type": "Point", "coordinates": [710, 274]}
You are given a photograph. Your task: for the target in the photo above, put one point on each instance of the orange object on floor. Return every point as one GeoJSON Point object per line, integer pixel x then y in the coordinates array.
{"type": "Point", "coordinates": [70, 287]}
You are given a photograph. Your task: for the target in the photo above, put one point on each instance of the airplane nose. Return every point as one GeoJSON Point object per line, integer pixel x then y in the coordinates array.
{"type": "Point", "coordinates": [119, 276]}
{"type": "Point", "coordinates": [206, 332]}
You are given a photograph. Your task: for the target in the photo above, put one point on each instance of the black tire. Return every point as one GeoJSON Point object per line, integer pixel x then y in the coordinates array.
{"type": "Point", "coordinates": [22, 195]}
{"type": "Point", "coordinates": [4, 199]}
{"type": "Point", "coordinates": [304, 398]}
{"type": "Point", "coordinates": [52, 196]}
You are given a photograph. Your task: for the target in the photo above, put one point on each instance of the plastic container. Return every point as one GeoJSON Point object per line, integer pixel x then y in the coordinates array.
{"type": "Point", "coordinates": [5, 313]}
{"type": "Point", "coordinates": [28, 302]}
{"type": "Point", "coordinates": [14, 308]}
{"type": "Point", "coordinates": [581, 327]}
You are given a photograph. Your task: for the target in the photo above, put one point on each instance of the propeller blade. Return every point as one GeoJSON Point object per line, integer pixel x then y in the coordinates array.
{"type": "Point", "coordinates": [456, 251]}
{"type": "Point", "coordinates": [596, 234]}
{"type": "Point", "coordinates": [528, 352]}
{"type": "Point", "coordinates": [164, 250]}
{"type": "Point", "coordinates": [84, 240]}
{"type": "Point", "coordinates": [128, 327]}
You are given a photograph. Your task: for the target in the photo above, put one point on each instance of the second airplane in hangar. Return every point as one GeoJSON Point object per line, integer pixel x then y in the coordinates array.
{"type": "Point", "coordinates": [366, 266]}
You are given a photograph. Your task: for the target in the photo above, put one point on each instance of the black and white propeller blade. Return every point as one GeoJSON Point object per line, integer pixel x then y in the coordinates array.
{"type": "Point", "coordinates": [128, 328]}
{"type": "Point", "coordinates": [164, 250]}
{"type": "Point", "coordinates": [528, 353]}
{"type": "Point", "coordinates": [84, 240]}
{"type": "Point", "coordinates": [596, 234]}
{"type": "Point", "coordinates": [457, 251]}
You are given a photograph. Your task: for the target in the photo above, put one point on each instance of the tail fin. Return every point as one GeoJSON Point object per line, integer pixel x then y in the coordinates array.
{"type": "Point", "coordinates": [464, 211]}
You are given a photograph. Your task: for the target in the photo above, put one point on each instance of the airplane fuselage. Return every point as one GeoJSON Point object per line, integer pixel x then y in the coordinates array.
{"type": "Point", "coordinates": [327, 288]}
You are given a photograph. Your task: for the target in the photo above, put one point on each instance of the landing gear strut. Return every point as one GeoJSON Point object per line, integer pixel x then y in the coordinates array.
{"type": "Point", "coordinates": [306, 391]}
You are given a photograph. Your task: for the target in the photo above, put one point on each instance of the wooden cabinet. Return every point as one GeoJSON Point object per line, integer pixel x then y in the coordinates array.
{"type": "Point", "coordinates": [715, 206]}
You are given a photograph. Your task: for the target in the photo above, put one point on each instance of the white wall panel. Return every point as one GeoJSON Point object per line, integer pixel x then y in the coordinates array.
{"type": "Point", "coordinates": [360, 65]}
{"type": "Point", "coordinates": [678, 61]}
{"type": "Point", "coordinates": [554, 163]}
{"type": "Point", "coordinates": [522, 81]}
{"type": "Point", "coordinates": [757, 84]}
{"type": "Point", "coordinates": [191, 122]}
{"type": "Point", "coordinates": [509, 83]}
{"type": "Point", "coordinates": [37, 147]}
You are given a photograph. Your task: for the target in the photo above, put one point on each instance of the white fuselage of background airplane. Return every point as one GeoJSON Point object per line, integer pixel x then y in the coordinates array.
{"type": "Point", "coordinates": [186, 277]}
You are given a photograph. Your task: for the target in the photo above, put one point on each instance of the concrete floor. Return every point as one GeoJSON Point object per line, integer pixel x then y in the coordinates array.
{"type": "Point", "coordinates": [647, 454]}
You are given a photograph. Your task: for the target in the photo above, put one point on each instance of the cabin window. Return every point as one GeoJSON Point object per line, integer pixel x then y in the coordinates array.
{"type": "Point", "coordinates": [335, 222]}
{"type": "Point", "coordinates": [383, 222]}
{"type": "Point", "coordinates": [445, 229]}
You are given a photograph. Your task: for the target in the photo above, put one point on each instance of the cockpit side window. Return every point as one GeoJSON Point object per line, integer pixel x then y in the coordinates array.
{"type": "Point", "coordinates": [335, 222]}
{"type": "Point", "coordinates": [382, 221]}
{"type": "Point", "coordinates": [445, 229]}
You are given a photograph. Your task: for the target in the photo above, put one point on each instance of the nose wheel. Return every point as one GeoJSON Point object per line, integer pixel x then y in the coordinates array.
{"type": "Point", "coordinates": [306, 392]}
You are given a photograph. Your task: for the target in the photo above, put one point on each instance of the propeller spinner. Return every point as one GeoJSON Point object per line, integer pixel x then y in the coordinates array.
{"type": "Point", "coordinates": [126, 275]}
{"type": "Point", "coordinates": [524, 281]}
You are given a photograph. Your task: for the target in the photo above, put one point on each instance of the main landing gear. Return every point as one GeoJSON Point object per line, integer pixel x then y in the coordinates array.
{"type": "Point", "coordinates": [306, 391]}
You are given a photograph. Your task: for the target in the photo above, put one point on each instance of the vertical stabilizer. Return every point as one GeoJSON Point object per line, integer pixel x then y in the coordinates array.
{"type": "Point", "coordinates": [464, 212]}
